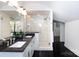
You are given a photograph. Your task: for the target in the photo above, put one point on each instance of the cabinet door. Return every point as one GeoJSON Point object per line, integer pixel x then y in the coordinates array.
{"type": "Point", "coordinates": [30, 53]}
{"type": "Point", "coordinates": [25, 53]}
{"type": "Point", "coordinates": [32, 47]}
{"type": "Point", "coordinates": [36, 41]}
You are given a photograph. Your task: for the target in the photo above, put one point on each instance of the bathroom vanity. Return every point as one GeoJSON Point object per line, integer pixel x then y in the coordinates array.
{"type": "Point", "coordinates": [24, 48]}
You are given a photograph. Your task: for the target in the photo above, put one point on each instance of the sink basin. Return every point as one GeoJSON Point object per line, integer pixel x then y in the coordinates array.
{"type": "Point", "coordinates": [18, 44]}
{"type": "Point", "coordinates": [28, 36]}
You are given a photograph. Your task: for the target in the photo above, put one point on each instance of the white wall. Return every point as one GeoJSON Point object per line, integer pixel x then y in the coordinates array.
{"type": "Point", "coordinates": [5, 28]}
{"type": "Point", "coordinates": [72, 36]}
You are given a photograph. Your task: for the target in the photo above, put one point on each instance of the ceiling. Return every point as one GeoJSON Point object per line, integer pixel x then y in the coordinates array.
{"type": "Point", "coordinates": [64, 11]}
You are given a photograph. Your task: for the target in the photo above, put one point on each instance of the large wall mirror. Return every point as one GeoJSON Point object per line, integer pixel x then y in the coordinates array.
{"type": "Point", "coordinates": [10, 22]}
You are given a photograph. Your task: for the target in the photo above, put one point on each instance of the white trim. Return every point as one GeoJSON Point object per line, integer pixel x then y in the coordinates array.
{"type": "Point", "coordinates": [51, 28]}
{"type": "Point", "coordinates": [46, 48]}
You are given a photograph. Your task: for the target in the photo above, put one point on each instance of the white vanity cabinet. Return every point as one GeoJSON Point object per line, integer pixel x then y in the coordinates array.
{"type": "Point", "coordinates": [28, 51]}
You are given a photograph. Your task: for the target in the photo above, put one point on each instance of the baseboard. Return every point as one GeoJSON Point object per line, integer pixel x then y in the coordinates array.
{"type": "Point", "coordinates": [75, 51]}
{"type": "Point", "coordinates": [45, 48]}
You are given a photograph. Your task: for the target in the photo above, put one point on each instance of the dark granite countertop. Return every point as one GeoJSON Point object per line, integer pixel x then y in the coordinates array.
{"type": "Point", "coordinates": [32, 32]}
{"type": "Point", "coordinates": [9, 49]}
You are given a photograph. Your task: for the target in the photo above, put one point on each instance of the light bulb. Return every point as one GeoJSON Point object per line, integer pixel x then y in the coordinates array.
{"type": "Point", "coordinates": [24, 12]}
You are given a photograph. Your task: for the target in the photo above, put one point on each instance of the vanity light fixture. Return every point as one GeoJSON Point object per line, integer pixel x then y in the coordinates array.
{"type": "Point", "coordinates": [13, 3]}
{"type": "Point", "coordinates": [24, 12]}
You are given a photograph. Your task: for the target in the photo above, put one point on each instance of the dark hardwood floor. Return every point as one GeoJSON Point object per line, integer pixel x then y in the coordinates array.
{"type": "Point", "coordinates": [43, 54]}
{"type": "Point", "coordinates": [59, 52]}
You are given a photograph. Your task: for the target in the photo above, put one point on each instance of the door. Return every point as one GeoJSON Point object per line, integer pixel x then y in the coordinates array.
{"type": "Point", "coordinates": [56, 27]}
